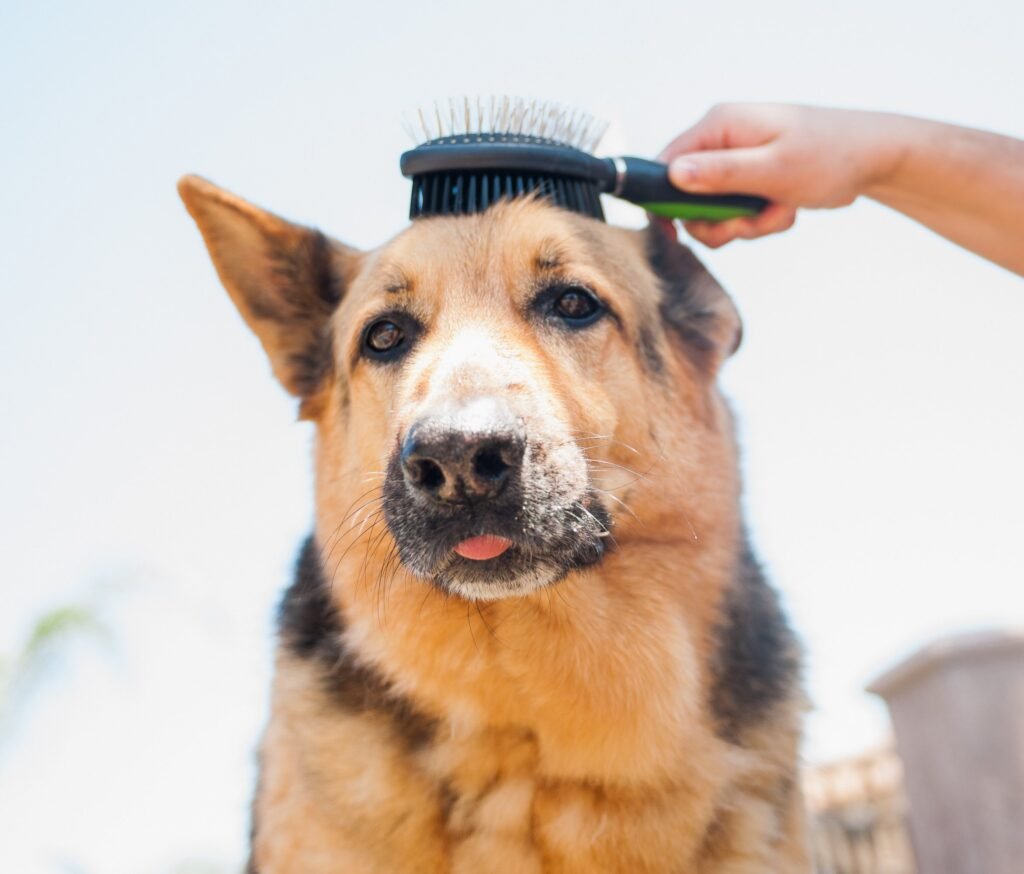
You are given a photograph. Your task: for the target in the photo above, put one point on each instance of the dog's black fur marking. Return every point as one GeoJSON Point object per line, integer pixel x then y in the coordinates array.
{"type": "Point", "coordinates": [311, 628]}
{"type": "Point", "coordinates": [649, 352]}
{"type": "Point", "coordinates": [757, 660]}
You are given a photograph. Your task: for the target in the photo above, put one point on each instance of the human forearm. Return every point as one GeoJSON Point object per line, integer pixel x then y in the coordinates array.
{"type": "Point", "coordinates": [967, 185]}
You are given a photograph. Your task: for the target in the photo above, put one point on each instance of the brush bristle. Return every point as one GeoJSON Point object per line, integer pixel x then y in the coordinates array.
{"type": "Point", "coordinates": [494, 119]}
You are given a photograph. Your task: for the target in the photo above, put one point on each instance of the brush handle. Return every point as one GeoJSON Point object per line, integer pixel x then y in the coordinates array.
{"type": "Point", "coordinates": [646, 184]}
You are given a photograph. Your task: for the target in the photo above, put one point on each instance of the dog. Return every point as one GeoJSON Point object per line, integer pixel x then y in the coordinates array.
{"type": "Point", "coordinates": [528, 633]}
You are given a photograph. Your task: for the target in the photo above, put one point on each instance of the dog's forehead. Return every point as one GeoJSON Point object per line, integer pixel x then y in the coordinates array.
{"type": "Point", "coordinates": [521, 236]}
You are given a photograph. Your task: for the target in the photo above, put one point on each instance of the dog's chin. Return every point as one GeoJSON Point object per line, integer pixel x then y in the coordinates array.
{"type": "Point", "coordinates": [523, 567]}
{"type": "Point", "coordinates": [510, 575]}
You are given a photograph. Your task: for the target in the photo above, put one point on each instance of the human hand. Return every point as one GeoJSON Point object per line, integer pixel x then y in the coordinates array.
{"type": "Point", "coordinates": [796, 156]}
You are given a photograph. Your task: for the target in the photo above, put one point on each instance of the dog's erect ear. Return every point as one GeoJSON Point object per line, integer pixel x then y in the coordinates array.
{"type": "Point", "coordinates": [285, 279]}
{"type": "Point", "coordinates": [693, 304]}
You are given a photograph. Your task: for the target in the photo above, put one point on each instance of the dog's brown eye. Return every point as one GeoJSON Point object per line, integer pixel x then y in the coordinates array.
{"type": "Point", "coordinates": [384, 336]}
{"type": "Point", "coordinates": [577, 305]}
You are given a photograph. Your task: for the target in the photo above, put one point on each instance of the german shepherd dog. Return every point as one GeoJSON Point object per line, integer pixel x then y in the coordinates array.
{"type": "Point", "coordinates": [527, 633]}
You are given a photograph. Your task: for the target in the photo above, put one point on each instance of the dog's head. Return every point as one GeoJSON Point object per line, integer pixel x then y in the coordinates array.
{"type": "Point", "coordinates": [496, 396]}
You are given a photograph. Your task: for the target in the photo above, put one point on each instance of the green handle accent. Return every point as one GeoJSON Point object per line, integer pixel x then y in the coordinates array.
{"type": "Point", "coordinates": [707, 212]}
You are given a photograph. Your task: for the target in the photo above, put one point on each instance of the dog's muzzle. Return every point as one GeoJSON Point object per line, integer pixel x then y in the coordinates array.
{"type": "Point", "coordinates": [470, 455]}
{"type": "Point", "coordinates": [483, 508]}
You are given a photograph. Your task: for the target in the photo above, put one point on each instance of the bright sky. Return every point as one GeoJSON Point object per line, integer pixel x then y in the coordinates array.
{"type": "Point", "coordinates": [143, 439]}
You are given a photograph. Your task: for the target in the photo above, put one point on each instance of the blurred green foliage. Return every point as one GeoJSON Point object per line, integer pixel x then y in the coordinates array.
{"type": "Point", "coordinates": [50, 638]}
{"type": "Point", "coordinates": [51, 635]}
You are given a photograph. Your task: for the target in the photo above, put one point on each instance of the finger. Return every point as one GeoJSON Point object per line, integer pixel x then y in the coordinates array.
{"type": "Point", "coordinates": [773, 219]}
{"type": "Point", "coordinates": [751, 170]}
{"type": "Point", "coordinates": [700, 234]}
{"type": "Point", "coordinates": [760, 225]}
{"type": "Point", "coordinates": [713, 234]}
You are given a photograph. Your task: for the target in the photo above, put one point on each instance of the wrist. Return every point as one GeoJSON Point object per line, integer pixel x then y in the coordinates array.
{"type": "Point", "coordinates": [892, 142]}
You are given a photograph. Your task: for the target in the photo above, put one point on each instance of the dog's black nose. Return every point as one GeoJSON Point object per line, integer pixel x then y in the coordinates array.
{"type": "Point", "coordinates": [469, 454]}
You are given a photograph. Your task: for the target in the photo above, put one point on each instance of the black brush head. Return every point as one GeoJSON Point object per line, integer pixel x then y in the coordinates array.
{"type": "Point", "coordinates": [476, 155]}
{"type": "Point", "coordinates": [446, 182]}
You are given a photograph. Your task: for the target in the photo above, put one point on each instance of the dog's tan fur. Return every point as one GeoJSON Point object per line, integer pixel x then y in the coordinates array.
{"type": "Point", "coordinates": [570, 728]}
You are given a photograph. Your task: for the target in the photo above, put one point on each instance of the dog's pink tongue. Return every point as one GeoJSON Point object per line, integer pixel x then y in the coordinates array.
{"type": "Point", "coordinates": [482, 548]}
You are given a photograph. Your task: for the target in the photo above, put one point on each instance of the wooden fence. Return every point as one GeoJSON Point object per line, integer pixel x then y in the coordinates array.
{"type": "Point", "coordinates": [858, 816]}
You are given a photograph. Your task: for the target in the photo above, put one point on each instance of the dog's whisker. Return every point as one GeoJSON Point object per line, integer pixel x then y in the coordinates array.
{"type": "Point", "coordinates": [357, 499]}
{"type": "Point", "coordinates": [390, 569]}
{"type": "Point", "coordinates": [604, 463]}
{"type": "Point", "coordinates": [469, 624]}
{"type": "Point", "coordinates": [427, 591]}
{"type": "Point", "coordinates": [360, 516]}
{"type": "Point", "coordinates": [372, 546]}
{"type": "Point", "coordinates": [558, 593]}
{"type": "Point", "coordinates": [603, 530]}
{"type": "Point", "coordinates": [365, 510]}
{"type": "Point", "coordinates": [375, 516]}
{"type": "Point", "coordinates": [346, 516]}
{"type": "Point", "coordinates": [378, 587]}
{"type": "Point", "coordinates": [382, 592]}
{"type": "Point", "coordinates": [352, 528]}
{"type": "Point", "coordinates": [328, 546]}
{"type": "Point", "coordinates": [373, 539]}
{"type": "Point", "coordinates": [619, 501]}
{"type": "Point", "coordinates": [607, 438]}
{"type": "Point", "coordinates": [483, 620]}
{"type": "Point", "coordinates": [638, 476]}
{"type": "Point", "coordinates": [330, 537]}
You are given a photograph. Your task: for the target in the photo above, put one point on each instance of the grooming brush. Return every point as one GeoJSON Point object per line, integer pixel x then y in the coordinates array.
{"type": "Point", "coordinates": [473, 153]}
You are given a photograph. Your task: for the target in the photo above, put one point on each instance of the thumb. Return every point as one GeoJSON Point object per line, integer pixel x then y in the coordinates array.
{"type": "Point", "coordinates": [750, 171]}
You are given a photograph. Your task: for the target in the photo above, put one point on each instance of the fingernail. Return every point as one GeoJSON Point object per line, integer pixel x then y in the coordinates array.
{"type": "Point", "coordinates": [682, 170]}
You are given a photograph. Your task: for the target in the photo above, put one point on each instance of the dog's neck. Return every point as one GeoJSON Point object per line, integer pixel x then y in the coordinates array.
{"type": "Point", "coordinates": [619, 643]}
